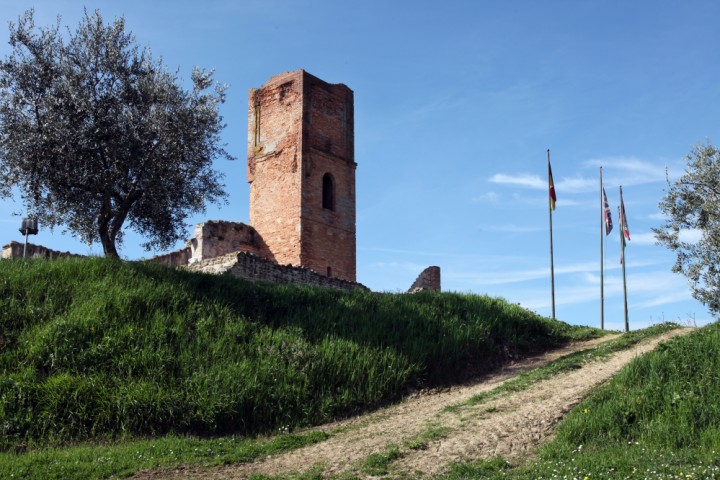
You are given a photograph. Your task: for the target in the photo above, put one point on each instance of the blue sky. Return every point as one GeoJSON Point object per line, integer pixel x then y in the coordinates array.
{"type": "Point", "coordinates": [456, 104]}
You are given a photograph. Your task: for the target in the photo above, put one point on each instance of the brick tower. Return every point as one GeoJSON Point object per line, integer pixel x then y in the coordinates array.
{"type": "Point", "coordinates": [301, 170]}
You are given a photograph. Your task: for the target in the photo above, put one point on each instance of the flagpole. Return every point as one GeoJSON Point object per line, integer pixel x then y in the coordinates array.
{"type": "Point", "coordinates": [623, 220]}
{"type": "Point", "coordinates": [552, 266]}
{"type": "Point", "coordinates": [602, 257]}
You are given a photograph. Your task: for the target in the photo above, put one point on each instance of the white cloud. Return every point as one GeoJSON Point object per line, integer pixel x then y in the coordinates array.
{"type": "Point", "coordinates": [642, 239]}
{"type": "Point", "coordinates": [491, 197]}
{"type": "Point", "coordinates": [505, 276]}
{"type": "Point", "coordinates": [404, 266]}
{"type": "Point", "coordinates": [617, 171]}
{"type": "Point", "coordinates": [691, 236]}
{"type": "Point", "coordinates": [645, 290]}
{"type": "Point", "coordinates": [576, 184]}
{"type": "Point", "coordinates": [512, 228]}
{"type": "Point", "coordinates": [564, 202]}
{"type": "Point", "coordinates": [523, 180]}
{"type": "Point", "coordinates": [629, 170]}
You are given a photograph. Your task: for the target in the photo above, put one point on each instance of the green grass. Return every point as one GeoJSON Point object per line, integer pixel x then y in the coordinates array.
{"type": "Point", "coordinates": [95, 349]}
{"type": "Point", "coordinates": [377, 464]}
{"type": "Point", "coordinates": [432, 433]}
{"type": "Point", "coordinates": [658, 418]}
{"type": "Point", "coordinates": [96, 461]}
{"type": "Point", "coordinates": [569, 362]}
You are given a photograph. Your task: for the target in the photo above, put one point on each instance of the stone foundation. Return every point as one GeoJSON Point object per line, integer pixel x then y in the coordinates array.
{"type": "Point", "coordinates": [252, 267]}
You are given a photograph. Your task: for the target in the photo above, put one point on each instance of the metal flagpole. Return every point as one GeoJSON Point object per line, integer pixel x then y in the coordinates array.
{"type": "Point", "coordinates": [552, 266]}
{"type": "Point", "coordinates": [602, 256]}
{"type": "Point", "coordinates": [621, 216]}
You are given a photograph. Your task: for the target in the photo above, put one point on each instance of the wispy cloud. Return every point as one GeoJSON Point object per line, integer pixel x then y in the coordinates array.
{"type": "Point", "coordinates": [617, 171]}
{"type": "Point", "coordinates": [576, 184]}
{"type": "Point", "coordinates": [629, 170]}
{"type": "Point", "coordinates": [465, 257]}
{"type": "Point", "coordinates": [643, 239]}
{"type": "Point", "coordinates": [404, 266]}
{"type": "Point", "coordinates": [506, 276]}
{"type": "Point", "coordinates": [488, 197]}
{"type": "Point", "coordinates": [512, 228]}
{"type": "Point", "coordinates": [647, 289]}
{"type": "Point", "coordinates": [523, 180]}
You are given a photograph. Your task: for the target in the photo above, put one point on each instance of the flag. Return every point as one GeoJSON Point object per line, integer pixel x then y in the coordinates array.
{"type": "Point", "coordinates": [623, 219]}
{"type": "Point", "coordinates": [553, 198]}
{"type": "Point", "coordinates": [608, 217]}
{"type": "Point", "coordinates": [625, 232]}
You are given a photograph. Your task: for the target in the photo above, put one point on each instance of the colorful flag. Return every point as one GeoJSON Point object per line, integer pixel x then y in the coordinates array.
{"type": "Point", "coordinates": [623, 219]}
{"type": "Point", "coordinates": [553, 198]}
{"type": "Point", "coordinates": [608, 217]}
{"type": "Point", "coordinates": [624, 230]}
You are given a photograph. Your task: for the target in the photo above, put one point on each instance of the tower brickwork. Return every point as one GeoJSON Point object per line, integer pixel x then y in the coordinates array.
{"type": "Point", "coordinates": [301, 170]}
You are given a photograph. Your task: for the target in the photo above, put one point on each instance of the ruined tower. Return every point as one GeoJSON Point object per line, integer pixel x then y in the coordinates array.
{"type": "Point", "coordinates": [301, 170]}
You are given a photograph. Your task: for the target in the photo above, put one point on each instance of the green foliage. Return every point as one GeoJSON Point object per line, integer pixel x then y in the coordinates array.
{"type": "Point", "coordinates": [95, 348]}
{"type": "Point", "coordinates": [692, 208]}
{"type": "Point", "coordinates": [96, 134]}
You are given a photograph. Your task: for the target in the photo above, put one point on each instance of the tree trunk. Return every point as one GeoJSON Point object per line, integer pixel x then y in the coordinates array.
{"type": "Point", "coordinates": [107, 241]}
{"type": "Point", "coordinates": [109, 247]}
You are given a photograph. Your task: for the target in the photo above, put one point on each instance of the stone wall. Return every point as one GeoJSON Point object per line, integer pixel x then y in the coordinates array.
{"type": "Point", "coordinates": [252, 267]}
{"type": "Point", "coordinates": [15, 250]}
{"type": "Point", "coordinates": [178, 258]}
{"type": "Point", "coordinates": [219, 246]}
{"type": "Point", "coordinates": [428, 280]}
{"type": "Point", "coordinates": [215, 238]}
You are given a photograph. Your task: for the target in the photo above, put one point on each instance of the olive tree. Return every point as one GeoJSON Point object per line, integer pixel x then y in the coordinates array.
{"type": "Point", "coordinates": [95, 133]}
{"type": "Point", "coordinates": [692, 205]}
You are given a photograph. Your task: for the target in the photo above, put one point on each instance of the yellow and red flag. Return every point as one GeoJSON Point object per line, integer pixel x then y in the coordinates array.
{"type": "Point", "coordinates": [553, 198]}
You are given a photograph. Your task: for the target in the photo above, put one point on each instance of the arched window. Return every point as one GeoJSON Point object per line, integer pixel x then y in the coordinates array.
{"type": "Point", "coordinates": [328, 197]}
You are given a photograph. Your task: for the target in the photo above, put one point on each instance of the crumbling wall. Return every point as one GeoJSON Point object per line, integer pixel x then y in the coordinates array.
{"type": "Point", "coordinates": [428, 280]}
{"type": "Point", "coordinates": [15, 250]}
{"type": "Point", "coordinates": [178, 258]}
{"type": "Point", "coordinates": [252, 267]}
{"type": "Point", "coordinates": [216, 238]}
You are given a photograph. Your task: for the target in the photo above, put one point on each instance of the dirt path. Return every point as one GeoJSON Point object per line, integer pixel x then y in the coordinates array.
{"type": "Point", "coordinates": [510, 426]}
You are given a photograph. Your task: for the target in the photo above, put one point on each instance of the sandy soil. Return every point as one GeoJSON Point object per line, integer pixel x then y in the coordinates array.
{"type": "Point", "coordinates": [512, 425]}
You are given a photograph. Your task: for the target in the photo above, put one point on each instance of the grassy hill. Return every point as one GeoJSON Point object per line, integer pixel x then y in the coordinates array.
{"type": "Point", "coordinates": [94, 349]}
{"type": "Point", "coordinates": [659, 418]}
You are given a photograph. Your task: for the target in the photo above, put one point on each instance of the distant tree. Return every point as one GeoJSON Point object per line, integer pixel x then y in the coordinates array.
{"type": "Point", "coordinates": [692, 204]}
{"type": "Point", "coordinates": [94, 133]}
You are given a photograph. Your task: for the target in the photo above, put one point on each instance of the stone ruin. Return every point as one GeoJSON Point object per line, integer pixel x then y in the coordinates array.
{"type": "Point", "coordinates": [301, 169]}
